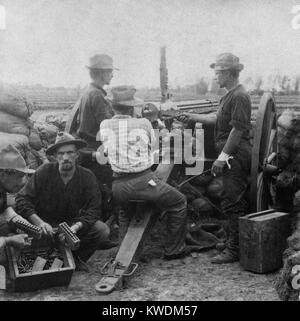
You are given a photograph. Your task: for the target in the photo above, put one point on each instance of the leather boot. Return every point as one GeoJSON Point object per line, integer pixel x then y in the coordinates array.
{"type": "Point", "coordinates": [231, 252]}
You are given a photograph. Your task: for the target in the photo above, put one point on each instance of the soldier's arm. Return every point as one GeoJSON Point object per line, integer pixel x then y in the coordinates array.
{"type": "Point", "coordinates": [99, 107]}
{"type": "Point", "coordinates": [240, 122]}
{"type": "Point", "coordinates": [232, 141]}
{"type": "Point", "coordinates": [206, 119]}
{"type": "Point", "coordinates": [26, 199]}
{"type": "Point", "coordinates": [17, 241]}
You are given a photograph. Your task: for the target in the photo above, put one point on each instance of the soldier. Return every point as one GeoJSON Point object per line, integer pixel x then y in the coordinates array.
{"type": "Point", "coordinates": [93, 109]}
{"type": "Point", "coordinates": [232, 125]}
{"type": "Point", "coordinates": [63, 191]}
{"type": "Point", "coordinates": [129, 143]}
{"type": "Point", "coordinates": [13, 171]}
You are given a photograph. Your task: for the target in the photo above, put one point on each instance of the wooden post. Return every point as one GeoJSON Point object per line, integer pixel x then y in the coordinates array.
{"type": "Point", "coordinates": [163, 75]}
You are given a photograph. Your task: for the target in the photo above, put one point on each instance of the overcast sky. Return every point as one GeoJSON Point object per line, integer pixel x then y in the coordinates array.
{"type": "Point", "coordinates": [50, 41]}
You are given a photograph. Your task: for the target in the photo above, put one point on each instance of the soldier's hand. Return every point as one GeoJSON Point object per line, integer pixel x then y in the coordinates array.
{"type": "Point", "coordinates": [184, 117]}
{"type": "Point", "coordinates": [18, 241]}
{"type": "Point", "coordinates": [217, 167]}
{"type": "Point", "coordinates": [62, 238]}
{"type": "Point", "coordinates": [47, 229]}
{"type": "Point", "coordinates": [76, 227]}
{"type": "Point", "coordinates": [187, 117]}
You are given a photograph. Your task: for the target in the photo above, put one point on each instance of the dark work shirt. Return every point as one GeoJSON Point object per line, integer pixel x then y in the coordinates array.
{"type": "Point", "coordinates": [93, 108]}
{"type": "Point", "coordinates": [234, 111]}
{"type": "Point", "coordinates": [46, 195]}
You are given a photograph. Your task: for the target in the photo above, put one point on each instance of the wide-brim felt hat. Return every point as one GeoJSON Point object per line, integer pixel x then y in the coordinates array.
{"type": "Point", "coordinates": [227, 61]}
{"type": "Point", "coordinates": [11, 159]}
{"type": "Point", "coordinates": [63, 139]}
{"type": "Point", "coordinates": [124, 95]}
{"type": "Point", "coordinates": [101, 62]}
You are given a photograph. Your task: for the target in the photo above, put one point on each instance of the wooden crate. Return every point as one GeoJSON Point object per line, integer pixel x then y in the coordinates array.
{"type": "Point", "coordinates": [24, 282]}
{"type": "Point", "coordinates": [262, 240]}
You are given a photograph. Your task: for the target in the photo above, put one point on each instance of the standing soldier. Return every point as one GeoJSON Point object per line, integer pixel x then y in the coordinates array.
{"type": "Point", "coordinates": [232, 125]}
{"type": "Point", "coordinates": [93, 108]}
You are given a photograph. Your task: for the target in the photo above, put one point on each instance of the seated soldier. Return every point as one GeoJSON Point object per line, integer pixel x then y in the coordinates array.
{"type": "Point", "coordinates": [12, 178]}
{"type": "Point", "coordinates": [63, 191]}
{"type": "Point", "coordinates": [127, 141]}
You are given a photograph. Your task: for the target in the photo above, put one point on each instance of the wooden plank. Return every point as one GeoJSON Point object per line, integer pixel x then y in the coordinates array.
{"type": "Point", "coordinates": [133, 237]}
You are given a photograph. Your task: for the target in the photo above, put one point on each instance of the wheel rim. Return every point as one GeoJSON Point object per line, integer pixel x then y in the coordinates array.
{"type": "Point", "coordinates": [264, 144]}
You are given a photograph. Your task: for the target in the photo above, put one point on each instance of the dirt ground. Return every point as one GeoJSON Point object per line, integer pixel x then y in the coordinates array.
{"type": "Point", "coordinates": [190, 278]}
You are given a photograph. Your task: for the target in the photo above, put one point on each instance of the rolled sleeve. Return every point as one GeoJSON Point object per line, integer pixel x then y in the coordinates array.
{"type": "Point", "coordinates": [241, 113]}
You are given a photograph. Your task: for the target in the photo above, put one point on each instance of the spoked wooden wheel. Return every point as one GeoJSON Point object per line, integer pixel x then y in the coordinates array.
{"type": "Point", "coordinates": [263, 154]}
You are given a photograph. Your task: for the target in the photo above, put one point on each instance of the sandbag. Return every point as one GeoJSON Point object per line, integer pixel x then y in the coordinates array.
{"type": "Point", "coordinates": [34, 139]}
{"type": "Point", "coordinates": [34, 158]}
{"type": "Point", "coordinates": [286, 119]}
{"type": "Point", "coordinates": [215, 188]}
{"type": "Point", "coordinates": [282, 138]}
{"type": "Point", "coordinates": [14, 103]}
{"type": "Point", "coordinates": [206, 238]}
{"type": "Point", "coordinates": [191, 192]}
{"type": "Point", "coordinates": [19, 141]}
{"type": "Point", "coordinates": [14, 125]}
{"type": "Point", "coordinates": [202, 180]}
{"type": "Point", "coordinates": [202, 205]}
{"type": "Point", "coordinates": [46, 131]}
{"type": "Point", "coordinates": [58, 120]}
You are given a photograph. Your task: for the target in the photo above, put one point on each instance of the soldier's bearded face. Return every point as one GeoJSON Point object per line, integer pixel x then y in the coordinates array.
{"type": "Point", "coordinates": [66, 157]}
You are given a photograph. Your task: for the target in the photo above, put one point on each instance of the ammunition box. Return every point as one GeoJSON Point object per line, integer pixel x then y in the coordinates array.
{"type": "Point", "coordinates": [262, 240]}
{"type": "Point", "coordinates": [32, 281]}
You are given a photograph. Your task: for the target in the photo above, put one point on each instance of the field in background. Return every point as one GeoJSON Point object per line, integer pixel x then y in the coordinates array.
{"type": "Point", "coordinates": [63, 98]}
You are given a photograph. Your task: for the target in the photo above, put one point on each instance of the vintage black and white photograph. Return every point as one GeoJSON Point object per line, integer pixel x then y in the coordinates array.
{"type": "Point", "coordinates": [150, 151]}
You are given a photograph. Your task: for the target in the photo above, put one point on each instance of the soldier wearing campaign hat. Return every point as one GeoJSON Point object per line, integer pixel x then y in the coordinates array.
{"type": "Point", "coordinates": [63, 191]}
{"type": "Point", "coordinates": [13, 172]}
{"type": "Point", "coordinates": [232, 142]}
{"type": "Point", "coordinates": [93, 108]}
